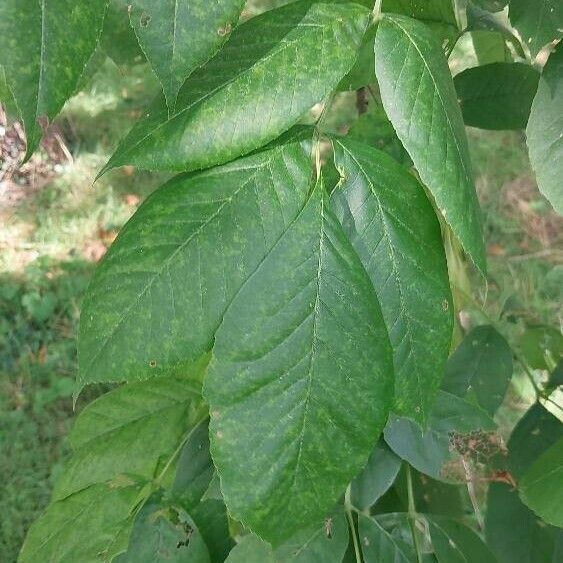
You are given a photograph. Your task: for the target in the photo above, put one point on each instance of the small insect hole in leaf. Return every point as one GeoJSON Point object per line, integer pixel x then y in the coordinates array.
{"type": "Point", "coordinates": [225, 29]}
{"type": "Point", "coordinates": [152, 363]}
{"type": "Point", "coordinates": [445, 305]}
{"type": "Point", "coordinates": [145, 19]}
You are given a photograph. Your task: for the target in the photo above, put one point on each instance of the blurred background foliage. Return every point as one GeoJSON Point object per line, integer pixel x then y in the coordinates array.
{"type": "Point", "coordinates": [55, 226]}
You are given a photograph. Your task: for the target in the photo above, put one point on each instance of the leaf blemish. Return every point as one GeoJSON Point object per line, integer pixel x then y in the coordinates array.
{"type": "Point", "coordinates": [144, 20]}
{"type": "Point", "coordinates": [225, 30]}
{"type": "Point", "coordinates": [152, 363]}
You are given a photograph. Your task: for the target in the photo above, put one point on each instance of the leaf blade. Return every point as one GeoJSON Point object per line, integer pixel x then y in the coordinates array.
{"type": "Point", "coordinates": [413, 75]}
{"type": "Point", "coordinates": [387, 227]}
{"type": "Point", "coordinates": [297, 346]}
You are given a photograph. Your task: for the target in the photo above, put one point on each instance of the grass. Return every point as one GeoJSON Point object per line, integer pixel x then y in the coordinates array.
{"type": "Point", "coordinates": [52, 237]}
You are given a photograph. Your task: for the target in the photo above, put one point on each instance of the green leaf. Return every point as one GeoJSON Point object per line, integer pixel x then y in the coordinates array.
{"type": "Point", "coordinates": [393, 228]}
{"type": "Point", "coordinates": [481, 366]}
{"type": "Point", "coordinates": [454, 542]}
{"type": "Point", "coordinates": [534, 434]}
{"type": "Point", "coordinates": [324, 543]}
{"type": "Point", "coordinates": [514, 533]}
{"type": "Point", "coordinates": [540, 487]}
{"type": "Point", "coordinates": [44, 47]}
{"type": "Point", "coordinates": [251, 549]}
{"type": "Point", "coordinates": [373, 128]}
{"type": "Point", "coordinates": [545, 128]}
{"type": "Point", "coordinates": [118, 40]}
{"type": "Point", "coordinates": [376, 477]}
{"type": "Point", "coordinates": [211, 519]}
{"type": "Point", "coordinates": [438, 15]}
{"type": "Point", "coordinates": [195, 468]}
{"type": "Point", "coordinates": [491, 5]}
{"type": "Point", "coordinates": [178, 36]}
{"type": "Point", "coordinates": [130, 431]}
{"type": "Point", "coordinates": [157, 298]}
{"type": "Point", "coordinates": [363, 72]}
{"type": "Point", "coordinates": [497, 95]}
{"type": "Point", "coordinates": [258, 86]}
{"type": "Point", "coordinates": [419, 97]}
{"type": "Point", "coordinates": [90, 526]}
{"type": "Point", "coordinates": [430, 450]}
{"type": "Point", "coordinates": [379, 546]}
{"type": "Point", "coordinates": [300, 382]}
{"type": "Point", "coordinates": [538, 22]}
{"type": "Point", "coordinates": [162, 534]}
{"type": "Point", "coordinates": [539, 343]}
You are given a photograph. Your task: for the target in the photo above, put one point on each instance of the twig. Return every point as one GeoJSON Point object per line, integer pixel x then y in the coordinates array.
{"type": "Point", "coordinates": [348, 509]}
{"type": "Point", "coordinates": [412, 515]}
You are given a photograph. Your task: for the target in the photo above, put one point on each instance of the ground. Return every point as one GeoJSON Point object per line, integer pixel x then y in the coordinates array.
{"type": "Point", "coordinates": [55, 226]}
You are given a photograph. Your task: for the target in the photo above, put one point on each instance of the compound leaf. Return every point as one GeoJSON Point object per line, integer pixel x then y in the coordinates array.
{"type": "Point", "coordinates": [178, 36]}
{"type": "Point", "coordinates": [498, 95]}
{"type": "Point", "coordinates": [545, 130]}
{"type": "Point", "coordinates": [538, 22]}
{"type": "Point", "coordinates": [43, 69]}
{"type": "Point", "coordinates": [159, 295]}
{"type": "Point", "coordinates": [300, 382]}
{"type": "Point", "coordinates": [481, 365]}
{"type": "Point", "coordinates": [258, 86]}
{"type": "Point", "coordinates": [129, 431]}
{"type": "Point", "coordinates": [393, 228]}
{"type": "Point", "coordinates": [419, 97]}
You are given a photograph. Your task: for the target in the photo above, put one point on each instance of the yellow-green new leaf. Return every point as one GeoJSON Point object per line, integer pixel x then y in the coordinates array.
{"type": "Point", "coordinates": [273, 70]}
{"type": "Point", "coordinates": [419, 97]}
{"type": "Point", "coordinates": [44, 48]}
{"type": "Point", "coordinates": [301, 379]}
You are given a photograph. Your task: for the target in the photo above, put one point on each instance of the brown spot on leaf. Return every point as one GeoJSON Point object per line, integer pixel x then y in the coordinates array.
{"type": "Point", "coordinates": [225, 30]}
{"type": "Point", "coordinates": [145, 19]}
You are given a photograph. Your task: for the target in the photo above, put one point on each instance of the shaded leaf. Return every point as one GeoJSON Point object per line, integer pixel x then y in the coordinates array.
{"type": "Point", "coordinates": [157, 298]}
{"type": "Point", "coordinates": [379, 546]}
{"type": "Point", "coordinates": [419, 97]}
{"type": "Point", "coordinates": [118, 40]}
{"type": "Point", "coordinates": [539, 343]}
{"type": "Point", "coordinates": [178, 36]}
{"type": "Point", "coordinates": [376, 477]}
{"type": "Point", "coordinates": [301, 379]}
{"type": "Point", "coordinates": [44, 69]}
{"type": "Point", "coordinates": [387, 217]}
{"type": "Point", "coordinates": [160, 535]}
{"type": "Point", "coordinates": [430, 450]}
{"type": "Point", "coordinates": [491, 5]}
{"type": "Point", "coordinates": [454, 542]}
{"type": "Point", "coordinates": [538, 22]}
{"type": "Point", "coordinates": [545, 130]}
{"type": "Point", "coordinates": [91, 525]}
{"type": "Point", "coordinates": [211, 519]}
{"type": "Point", "coordinates": [514, 533]}
{"type": "Point", "coordinates": [540, 487]}
{"type": "Point", "coordinates": [497, 95]}
{"type": "Point", "coordinates": [324, 543]}
{"type": "Point", "coordinates": [195, 467]}
{"type": "Point", "coordinates": [251, 549]}
{"type": "Point", "coordinates": [129, 431]}
{"type": "Point", "coordinates": [481, 366]}
{"type": "Point", "coordinates": [258, 86]}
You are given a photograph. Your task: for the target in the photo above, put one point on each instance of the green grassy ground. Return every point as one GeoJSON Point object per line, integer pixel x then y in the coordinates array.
{"type": "Point", "coordinates": [53, 235]}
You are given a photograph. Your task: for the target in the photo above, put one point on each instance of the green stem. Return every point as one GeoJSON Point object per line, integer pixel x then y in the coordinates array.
{"type": "Point", "coordinates": [412, 515]}
{"type": "Point", "coordinates": [376, 12]}
{"type": "Point", "coordinates": [348, 508]}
